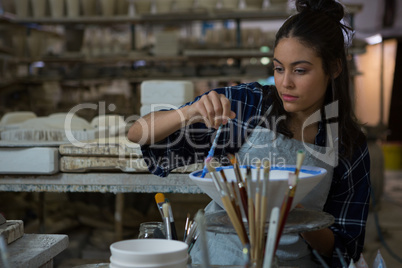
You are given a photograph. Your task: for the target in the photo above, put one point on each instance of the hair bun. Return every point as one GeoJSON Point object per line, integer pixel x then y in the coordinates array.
{"type": "Point", "coordinates": [330, 7]}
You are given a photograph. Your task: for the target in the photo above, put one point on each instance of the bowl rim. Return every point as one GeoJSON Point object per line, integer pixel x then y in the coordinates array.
{"type": "Point", "coordinates": [311, 170]}
{"type": "Point", "coordinates": [167, 249]}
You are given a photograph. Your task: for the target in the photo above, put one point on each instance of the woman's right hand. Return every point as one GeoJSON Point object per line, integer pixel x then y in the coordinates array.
{"type": "Point", "coordinates": [213, 109]}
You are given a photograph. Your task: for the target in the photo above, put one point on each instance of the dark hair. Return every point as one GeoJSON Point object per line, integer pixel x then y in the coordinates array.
{"type": "Point", "coordinates": [318, 25]}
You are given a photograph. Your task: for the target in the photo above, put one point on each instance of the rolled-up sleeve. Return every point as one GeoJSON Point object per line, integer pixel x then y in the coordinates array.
{"type": "Point", "coordinates": [348, 201]}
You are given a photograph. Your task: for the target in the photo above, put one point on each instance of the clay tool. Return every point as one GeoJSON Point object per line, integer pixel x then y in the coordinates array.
{"type": "Point", "coordinates": [211, 151]}
{"type": "Point", "coordinates": [165, 208]}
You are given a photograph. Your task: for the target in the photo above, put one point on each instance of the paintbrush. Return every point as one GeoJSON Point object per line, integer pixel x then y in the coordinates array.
{"type": "Point", "coordinates": [236, 168]}
{"type": "Point", "coordinates": [171, 220]}
{"type": "Point", "coordinates": [257, 202]}
{"type": "Point", "coordinates": [271, 238]}
{"type": "Point", "coordinates": [229, 188]}
{"type": "Point", "coordinates": [264, 205]}
{"type": "Point", "coordinates": [160, 200]}
{"type": "Point", "coordinates": [251, 220]}
{"type": "Point", "coordinates": [240, 184]}
{"type": "Point", "coordinates": [286, 204]}
{"type": "Point", "coordinates": [191, 236]}
{"type": "Point", "coordinates": [186, 225]}
{"type": "Point", "coordinates": [211, 151]}
{"type": "Point", "coordinates": [165, 208]}
{"type": "Point", "coordinates": [230, 210]}
{"type": "Point", "coordinates": [299, 162]}
{"type": "Point", "coordinates": [288, 199]}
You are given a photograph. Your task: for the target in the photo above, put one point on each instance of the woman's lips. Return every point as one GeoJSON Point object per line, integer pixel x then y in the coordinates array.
{"type": "Point", "coordinates": [289, 97]}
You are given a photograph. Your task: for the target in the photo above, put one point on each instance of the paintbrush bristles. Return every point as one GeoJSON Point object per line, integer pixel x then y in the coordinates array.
{"type": "Point", "coordinates": [267, 166]}
{"type": "Point", "coordinates": [258, 166]}
{"type": "Point", "coordinates": [165, 208]}
{"type": "Point", "coordinates": [292, 179]}
{"type": "Point", "coordinates": [300, 158]}
{"type": "Point", "coordinates": [236, 168]}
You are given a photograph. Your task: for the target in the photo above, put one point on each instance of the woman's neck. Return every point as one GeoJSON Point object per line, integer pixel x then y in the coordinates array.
{"type": "Point", "coordinates": [302, 132]}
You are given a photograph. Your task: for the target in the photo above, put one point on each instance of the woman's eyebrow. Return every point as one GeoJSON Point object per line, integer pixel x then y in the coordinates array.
{"type": "Point", "coordinates": [294, 63]}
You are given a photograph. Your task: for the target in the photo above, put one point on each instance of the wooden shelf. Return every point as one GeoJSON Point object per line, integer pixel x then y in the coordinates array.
{"type": "Point", "coordinates": [177, 17]}
{"type": "Point", "coordinates": [99, 182]}
{"type": "Point", "coordinates": [274, 12]}
{"type": "Point", "coordinates": [92, 81]}
{"type": "Point", "coordinates": [226, 53]}
{"type": "Point", "coordinates": [102, 59]}
{"type": "Point", "coordinates": [187, 55]}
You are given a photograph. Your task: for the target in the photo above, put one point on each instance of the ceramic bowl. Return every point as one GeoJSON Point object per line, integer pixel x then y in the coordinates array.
{"type": "Point", "coordinates": [309, 177]}
{"type": "Point", "coordinates": [149, 253]}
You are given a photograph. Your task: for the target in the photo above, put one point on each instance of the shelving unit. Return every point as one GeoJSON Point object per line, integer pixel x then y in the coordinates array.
{"type": "Point", "coordinates": [177, 18]}
{"type": "Point", "coordinates": [272, 12]}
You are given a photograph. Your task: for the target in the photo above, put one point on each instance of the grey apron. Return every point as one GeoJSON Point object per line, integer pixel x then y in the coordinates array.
{"type": "Point", "coordinates": [263, 143]}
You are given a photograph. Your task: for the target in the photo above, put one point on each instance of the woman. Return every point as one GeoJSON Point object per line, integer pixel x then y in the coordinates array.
{"type": "Point", "coordinates": [309, 108]}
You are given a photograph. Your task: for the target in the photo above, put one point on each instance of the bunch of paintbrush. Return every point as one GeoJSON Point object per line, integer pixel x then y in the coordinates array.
{"type": "Point", "coordinates": [166, 212]}
{"type": "Point", "coordinates": [191, 233]}
{"type": "Point", "coordinates": [237, 199]}
{"type": "Point", "coordinates": [257, 210]}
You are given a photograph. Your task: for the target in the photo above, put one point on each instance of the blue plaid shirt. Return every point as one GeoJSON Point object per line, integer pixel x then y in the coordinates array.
{"type": "Point", "coordinates": [348, 198]}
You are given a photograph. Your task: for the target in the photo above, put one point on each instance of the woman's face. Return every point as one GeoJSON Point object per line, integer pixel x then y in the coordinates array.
{"type": "Point", "coordinates": [299, 77]}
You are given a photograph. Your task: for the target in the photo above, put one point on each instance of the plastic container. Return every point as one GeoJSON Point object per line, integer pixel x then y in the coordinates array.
{"type": "Point", "coordinates": [149, 253]}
